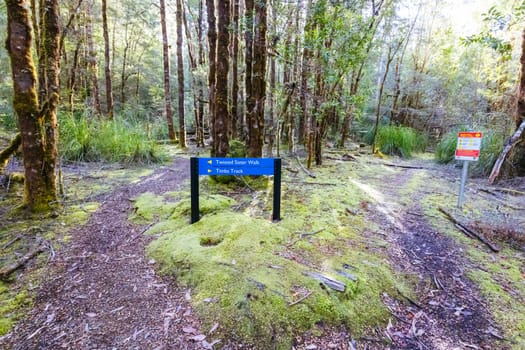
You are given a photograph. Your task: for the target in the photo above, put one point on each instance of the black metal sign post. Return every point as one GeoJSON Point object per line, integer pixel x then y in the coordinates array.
{"type": "Point", "coordinates": [235, 167]}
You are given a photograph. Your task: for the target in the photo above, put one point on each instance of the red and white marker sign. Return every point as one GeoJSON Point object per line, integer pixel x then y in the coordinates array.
{"type": "Point", "coordinates": [469, 145]}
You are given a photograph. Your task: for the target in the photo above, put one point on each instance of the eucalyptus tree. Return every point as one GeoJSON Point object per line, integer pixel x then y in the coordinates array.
{"type": "Point", "coordinates": [107, 61]}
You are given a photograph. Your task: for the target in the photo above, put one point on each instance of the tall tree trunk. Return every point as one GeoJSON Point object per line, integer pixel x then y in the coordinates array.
{"type": "Point", "coordinates": [222, 118]}
{"type": "Point", "coordinates": [273, 83]}
{"type": "Point", "coordinates": [37, 126]}
{"type": "Point", "coordinates": [235, 71]}
{"type": "Point", "coordinates": [167, 89]}
{"type": "Point", "coordinates": [180, 76]}
{"type": "Point", "coordinates": [248, 62]}
{"type": "Point", "coordinates": [107, 70]}
{"type": "Point", "coordinates": [212, 66]}
{"type": "Point", "coordinates": [196, 83]}
{"type": "Point", "coordinates": [381, 89]}
{"type": "Point", "coordinates": [304, 129]}
{"type": "Point", "coordinates": [92, 61]}
{"type": "Point", "coordinates": [256, 124]}
{"type": "Point", "coordinates": [72, 81]}
{"type": "Point", "coordinates": [200, 123]}
{"type": "Point", "coordinates": [123, 76]}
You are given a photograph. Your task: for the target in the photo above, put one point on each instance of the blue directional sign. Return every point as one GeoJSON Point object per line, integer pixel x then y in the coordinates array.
{"type": "Point", "coordinates": [236, 166]}
{"type": "Point", "coordinates": [232, 167]}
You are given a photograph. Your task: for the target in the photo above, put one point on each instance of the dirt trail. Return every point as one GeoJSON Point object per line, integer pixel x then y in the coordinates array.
{"type": "Point", "coordinates": [101, 293]}
{"type": "Point", "coordinates": [449, 312]}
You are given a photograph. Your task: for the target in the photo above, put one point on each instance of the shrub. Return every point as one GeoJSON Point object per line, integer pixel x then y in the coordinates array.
{"type": "Point", "coordinates": [398, 140]}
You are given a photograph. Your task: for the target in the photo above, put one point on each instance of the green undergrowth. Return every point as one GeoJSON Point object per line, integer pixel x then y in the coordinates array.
{"type": "Point", "coordinates": [491, 147]}
{"type": "Point", "coordinates": [126, 140]}
{"type": "Point", "coordinates": [398, 140]}
{"type": "Point", "coordinates": [252, 275]}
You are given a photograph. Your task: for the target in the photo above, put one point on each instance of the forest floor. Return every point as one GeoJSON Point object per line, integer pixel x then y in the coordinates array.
{"type": "Point", "coordinates": [96, 288]}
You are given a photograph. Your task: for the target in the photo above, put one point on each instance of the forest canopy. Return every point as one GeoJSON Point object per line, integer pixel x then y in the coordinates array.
{"type": "Point", "coordinates": [268, 75]}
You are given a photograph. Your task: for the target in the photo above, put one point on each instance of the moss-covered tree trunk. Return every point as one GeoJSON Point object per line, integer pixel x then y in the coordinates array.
{"type": "Point", "coordinates": [37, 126]}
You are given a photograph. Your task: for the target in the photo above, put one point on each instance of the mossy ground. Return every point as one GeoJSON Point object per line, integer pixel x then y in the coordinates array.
{"type": "Point", "coordinates": [246, 272]}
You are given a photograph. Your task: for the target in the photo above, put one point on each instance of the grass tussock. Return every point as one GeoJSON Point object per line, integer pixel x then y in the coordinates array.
{"type": "Point", "coordinates": [117, 140]}
{"type": "Point", "coordinates": [398, 140]}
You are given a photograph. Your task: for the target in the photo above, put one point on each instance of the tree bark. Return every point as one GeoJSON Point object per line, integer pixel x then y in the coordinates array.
{"type": "Point", "coordinates": [212, 68]}
{"type": "Point", "coordinates": [36, 125]}
{"type": "Point", "coordinates": [180, 76]}
{"type": "Point", "coordinates": [107, 70]}
{"type": "Point", "coordinates": [92, 61]}
{"type": "Point", "coordinates": [200, 123]}
{"type": "Point", "coordinates": [222, 118]}
{"type": "Point", "coordinates": [235, 71]}
{"type": "Point", "coordinates": [248, 62]}
{"type": "Point", "coordinates": [166, 60]}
{"type": "Point", "coordinates": [256, 124]}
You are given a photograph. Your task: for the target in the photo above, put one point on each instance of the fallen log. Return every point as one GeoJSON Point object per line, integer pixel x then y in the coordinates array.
{"type": "Point", "coordinates": [508, 146]}
{"type": "Point", "coordinates": [7, 270]}
{"type": "Point", "coordinates": [462, 227]}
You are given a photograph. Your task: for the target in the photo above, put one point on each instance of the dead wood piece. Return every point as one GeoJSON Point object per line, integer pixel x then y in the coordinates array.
{"type": "Point", "coordinates": [300, 299]}
{"type": "Point", "coordinates": [508, 146]}
{"type": "Point", "coordinates": [346, 275]}
{"type": "Point", "coordinates": [398, 165]}
{"type": "Point", "coordinates": [464, 228]}
{"type": "Point", "coordinates": [7, 270]}
{"type": "Point", "coordinates": [509, 190]}
{"type": "Point", "coordinates": [327, 281]}
{"type": "Point", "coordinates": [352, 211]}
{"type": "Point", "coordinates": [292, 170]}
{"type": "Point", "coordinates": [306, 234]}
{"type": "Point", "coordinates": [466, 232]}
{"type": "Point", "coordinates": [307, 172]}
{"type": "Point", "coordinates": [11, 242]}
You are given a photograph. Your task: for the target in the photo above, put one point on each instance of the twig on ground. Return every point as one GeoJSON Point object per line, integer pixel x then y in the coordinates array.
{"type": "Point", "coordinates": [307, 172]}
{"type": "Point", "coordinates": [7, 270]}
{"type": "Point", "coordinates": [11, 242]}
{"type": "Point", "coordinates": [300, 299]}
{"type": "Point", "coordinates": [472, 232]}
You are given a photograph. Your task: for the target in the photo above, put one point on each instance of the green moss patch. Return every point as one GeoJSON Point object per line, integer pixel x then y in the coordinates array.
{"type": "Point", "coordinates": [253, 276]}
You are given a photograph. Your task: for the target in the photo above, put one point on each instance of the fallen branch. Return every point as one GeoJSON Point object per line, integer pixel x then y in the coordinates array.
{"type": "Point", "coordinates": [398, 165]}
{"type": "Point", "coordinates": [313, 183]}
{"type": "Point", "coordinates": [472, 232]}
{"type": "Point", "coordinates": [507, 190]}
{"type": "Point", "coordinates": [7, 270]}
{"type": "Point", "coordinates": [300, 299]}
{"type": "Point", "coordinates": [8, 244]}
{"type": "Point", "coordinates": [303, 168]}
{"type": "Point", "coordinates": [508, 146]}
